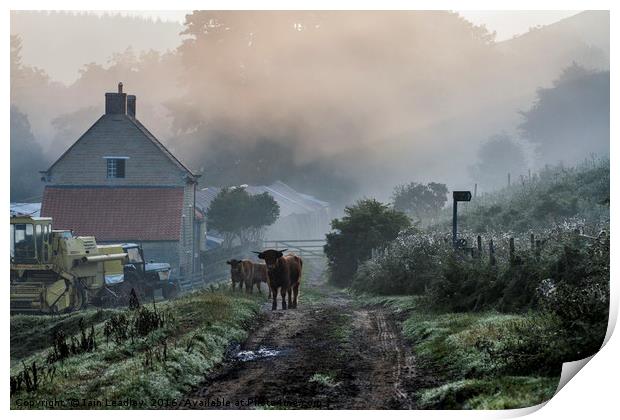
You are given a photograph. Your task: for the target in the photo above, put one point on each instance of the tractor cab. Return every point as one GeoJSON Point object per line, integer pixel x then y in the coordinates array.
{"type": "Point", "coordinates": [148, 278]}
{"type": "Point", "coordinates": [30, 240]}
{"type": "Point", "coordinates": [135, 257]}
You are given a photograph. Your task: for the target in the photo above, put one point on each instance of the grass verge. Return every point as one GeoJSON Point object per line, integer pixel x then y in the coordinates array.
{"type": "Point", "coordinates": [150, 371]}
{"type": "Point", "coordinates": [457, 350]}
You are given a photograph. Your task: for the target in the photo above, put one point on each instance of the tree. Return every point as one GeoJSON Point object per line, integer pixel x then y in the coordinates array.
{"type": "Point", "coordinates": [239, 215]}
{"type": "Point", "coordinates": [366, 225]}
{"type": "Point", "coordinates": [420, 201]}
{"type": "Point", "coordinates": [497, 157]}
{"type": "Point", "coordinates": [266, 96]}
{"type": "Point", "coordinates": [570, 121]}
{"type": "Point", "coordinates": [26, 160]}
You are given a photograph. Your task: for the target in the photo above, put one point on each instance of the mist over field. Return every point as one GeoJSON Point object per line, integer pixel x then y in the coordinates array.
{"type": "Point", "coordinates": [337, 104]}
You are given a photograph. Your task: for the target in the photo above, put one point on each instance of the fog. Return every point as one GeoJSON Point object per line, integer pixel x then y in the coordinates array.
{"type": "Point", "coordinates": [337, 104]}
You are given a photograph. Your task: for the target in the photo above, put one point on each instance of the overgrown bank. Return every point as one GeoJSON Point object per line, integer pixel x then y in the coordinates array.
{"type": "Point", "coordinates": [492, 322]}
{"type": "Point", "coordinates": [141, 358]}
{"type": "Point", "coordinates": [473, 360]}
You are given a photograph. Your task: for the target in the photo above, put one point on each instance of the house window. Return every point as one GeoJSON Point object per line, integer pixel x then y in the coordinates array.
{"type": "Point", "coordinates": [116, 167]}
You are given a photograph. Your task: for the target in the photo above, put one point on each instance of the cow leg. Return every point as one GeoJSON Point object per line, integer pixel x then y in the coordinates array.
{"type": "Point", "coordinates": [289, 293]}
{"type": "Point", "coordinates": [234, 285]}
{"type": "Point", "coordinates": [274, 304]}
{"type": "Point", "coordinates": [269, 287]}
{"type": "Point", "coordinates": [248, 287]}
{"type": "Point", "coordinates": [295, 293]}
{"type": "Point", "coordinates": [258, 288]}
{"type": "Point", "coordinates": [283, 293]}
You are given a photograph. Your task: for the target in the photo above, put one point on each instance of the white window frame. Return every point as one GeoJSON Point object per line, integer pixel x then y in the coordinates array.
{"type": "Point", "coordinates": [111, 168]}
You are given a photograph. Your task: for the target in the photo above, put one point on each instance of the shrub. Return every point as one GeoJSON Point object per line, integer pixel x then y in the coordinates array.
{"type": "Point", "coordinates": [579, 294]}
{"type": "Point", "coordinates": [367, 225]}
{"type": "Point", "coordinates": [407, 266]}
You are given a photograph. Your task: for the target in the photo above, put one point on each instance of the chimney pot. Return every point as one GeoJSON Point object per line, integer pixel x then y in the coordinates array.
{"type": "Point", "coordinates": [120, 87]}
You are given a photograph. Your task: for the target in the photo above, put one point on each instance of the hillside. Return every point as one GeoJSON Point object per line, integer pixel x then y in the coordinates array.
{"type": "Point", "coordinates": [540, 54]}
{"type": "Point", "coordinates": [555, 196]}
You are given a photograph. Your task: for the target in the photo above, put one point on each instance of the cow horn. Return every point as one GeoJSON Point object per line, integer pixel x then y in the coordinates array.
{"type": "Point", "coordinates": [285, 249]}
{"type": "Point", "coordinates": [256, 252]}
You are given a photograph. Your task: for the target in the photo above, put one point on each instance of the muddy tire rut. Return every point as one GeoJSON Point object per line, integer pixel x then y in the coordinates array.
{"type": "Point", "coordinates": [327, 353]}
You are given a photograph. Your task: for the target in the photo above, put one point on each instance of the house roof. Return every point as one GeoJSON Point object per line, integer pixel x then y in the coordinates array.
{"type": "Point", "coordinates": [113, 119]}
{"type": "Point", "coordinates": [31, 209]}
{"type": "Point", "coordinates": [116, 214]}
{"type": "Point", "coordinates": [289, 200]}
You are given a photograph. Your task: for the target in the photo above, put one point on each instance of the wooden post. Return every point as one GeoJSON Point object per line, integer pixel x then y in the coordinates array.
{"type": "Point", "coordinates": [475, 190]}
{"type": "Point", "coordinates": [509, 179]}
{"type": "Point", "coordinates": [512, 250]}
{"type": "Point", "coordinates": [479, 241]}
{"type": "Point", "coordinates": [538, 247]}
{"type": "Point", "coordinates": [491, 252]}
{"type": "Point", "coordinates": [454, 223]}
{"type": "Point", "coordinates": [532, 241]}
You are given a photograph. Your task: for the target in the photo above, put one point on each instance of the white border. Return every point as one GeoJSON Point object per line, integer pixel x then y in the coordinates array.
{"type": "Point", "coordinates": [593, 393]}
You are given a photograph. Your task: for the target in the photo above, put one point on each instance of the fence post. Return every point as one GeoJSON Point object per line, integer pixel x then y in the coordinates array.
{"type": "Point", "coordinates": [532, 245]}
{"type": "Point", "coordinates": [479, 241]}
{"type": "Point", "coordinates": [512, 250]}
{"type": "Point", "coordinates": [538, 247]}
{"type": "Point", "coordinates": [491, 252]}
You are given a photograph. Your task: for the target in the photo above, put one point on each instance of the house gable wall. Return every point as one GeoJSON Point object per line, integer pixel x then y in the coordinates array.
{"type": "Point", "coordinates": [115, 135]}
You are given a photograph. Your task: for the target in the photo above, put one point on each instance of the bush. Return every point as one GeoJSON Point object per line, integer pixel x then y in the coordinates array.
{"type": "Point", "coordinates": [579, 294]}
{"type": "Point", "coordinates": [407, 266]}
{"type": "Point", "coordinates": [367, 225]}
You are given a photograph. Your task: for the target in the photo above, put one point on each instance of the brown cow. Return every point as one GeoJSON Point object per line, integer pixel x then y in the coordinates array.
{"type": "Point", "coordinates": [285, 274]}
{"type": "Point", "coordinates": [248, 273]}
{"type": "Point", "coordinates": [261, 276]}
{"type": "Point", "coordinates": [242, 272]}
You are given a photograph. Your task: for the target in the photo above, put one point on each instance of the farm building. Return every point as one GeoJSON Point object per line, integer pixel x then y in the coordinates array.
{"type": "Point", "coordinates": [118, 183]}
{"type": "Point", "coordinates": [31, 209]}
{"type": "Point", "coordinates": [302, 216]}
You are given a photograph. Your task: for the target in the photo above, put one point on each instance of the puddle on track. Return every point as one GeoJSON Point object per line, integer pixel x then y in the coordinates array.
{"type": "Point", "coordinates": [261, 353]}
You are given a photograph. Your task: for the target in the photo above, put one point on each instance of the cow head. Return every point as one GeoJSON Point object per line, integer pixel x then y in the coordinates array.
{"type": "Point", "coordinates": [271, 257]}
{"type": "Point", "coordinates": [235, 266]}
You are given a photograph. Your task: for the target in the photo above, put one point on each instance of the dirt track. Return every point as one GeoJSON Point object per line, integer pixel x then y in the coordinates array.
{"type": "Point", "coordinates": [327, 353]}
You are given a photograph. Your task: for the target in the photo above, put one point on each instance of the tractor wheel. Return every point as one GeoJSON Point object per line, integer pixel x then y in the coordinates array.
{"type": "Point", "coordinates": [171, 290]}
{"type": "Point", "coordinates": [79, 298]}
{"type": "Point", "coordinates": [132, 281]}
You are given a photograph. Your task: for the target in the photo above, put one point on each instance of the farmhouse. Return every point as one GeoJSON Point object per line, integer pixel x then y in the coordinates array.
{"type": "Point", "coordinates": [120, 184]}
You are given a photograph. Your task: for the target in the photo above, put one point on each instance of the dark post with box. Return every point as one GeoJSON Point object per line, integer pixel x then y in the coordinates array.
{"type": "Point", "coordinates": [456, 197]}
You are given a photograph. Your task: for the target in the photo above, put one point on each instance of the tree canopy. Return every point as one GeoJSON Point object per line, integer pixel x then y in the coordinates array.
{"type": "Point", "coordinates": [366, 225]}
{"type": "Point", "coordinates": [26, 160]}
{"type": "Point", "coordinates": [570, 121]}
{"type": "Point", "coordinates": [420, 201]}
{"type": "Point", "coordinates": [239, 215]}
{"type": "Point", "coordinates": [499, 156]}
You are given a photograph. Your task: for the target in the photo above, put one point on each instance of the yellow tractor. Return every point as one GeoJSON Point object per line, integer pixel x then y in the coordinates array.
{"type": "Point", "coordinates": [53, 271]}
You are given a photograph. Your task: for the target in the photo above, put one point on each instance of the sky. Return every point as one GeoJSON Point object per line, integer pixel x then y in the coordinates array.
{"type": "Point", "coordinates": [510, 23]}
{"type": "Point", "coordinates": [505, 22]}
